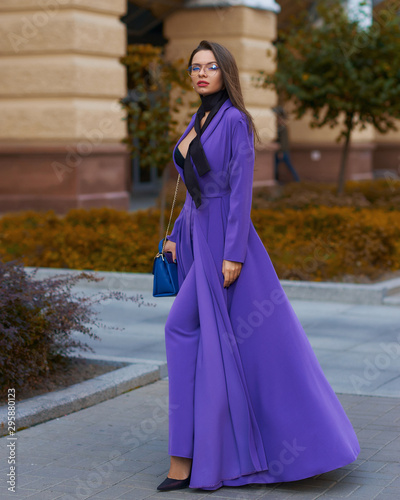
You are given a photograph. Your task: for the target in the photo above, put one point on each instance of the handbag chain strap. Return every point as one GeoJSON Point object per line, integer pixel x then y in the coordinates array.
{"type": "Point", "coordinates": [172, 209]}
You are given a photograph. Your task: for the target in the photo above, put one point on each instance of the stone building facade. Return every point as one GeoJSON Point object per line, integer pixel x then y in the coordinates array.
{"type": "Point", "coordinates": [61, 125]}
{"type": "Point", "coordinates": [61, 79]}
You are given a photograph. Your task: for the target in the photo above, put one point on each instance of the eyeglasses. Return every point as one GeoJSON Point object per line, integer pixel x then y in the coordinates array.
{"type": "Point", "coordinates": [211, 69]}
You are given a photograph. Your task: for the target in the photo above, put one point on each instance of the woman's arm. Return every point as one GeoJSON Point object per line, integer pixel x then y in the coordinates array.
{"type": "Point", "coordinates": [241, 169]}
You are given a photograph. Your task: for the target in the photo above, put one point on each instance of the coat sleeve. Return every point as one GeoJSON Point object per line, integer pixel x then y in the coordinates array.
{"type": "Point", "coordinates": [241, 169]}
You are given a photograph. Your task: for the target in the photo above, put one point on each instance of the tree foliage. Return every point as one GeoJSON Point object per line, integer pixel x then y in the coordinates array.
{"type": "Point", "coordinates": [342, 74]}
{"type": "Point", "coordinates": [152, 126]}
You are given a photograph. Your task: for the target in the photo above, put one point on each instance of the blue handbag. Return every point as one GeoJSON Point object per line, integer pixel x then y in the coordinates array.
{"type": "Point", "coordinates": [165, 282]}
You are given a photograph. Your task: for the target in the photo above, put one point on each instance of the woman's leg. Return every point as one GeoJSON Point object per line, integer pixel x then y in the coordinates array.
{"type": "Point", "coordinates": [182, 331]}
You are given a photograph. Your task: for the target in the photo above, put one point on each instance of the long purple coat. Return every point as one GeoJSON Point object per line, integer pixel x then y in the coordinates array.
{"type": "Point", "coordinates": [260, 408]}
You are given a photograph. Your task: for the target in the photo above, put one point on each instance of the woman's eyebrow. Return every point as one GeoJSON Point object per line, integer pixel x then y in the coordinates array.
{"type": "Point", "coordinates": [193, 64]}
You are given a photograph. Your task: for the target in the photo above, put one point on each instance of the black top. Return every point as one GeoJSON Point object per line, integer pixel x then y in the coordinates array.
{"type": "Point", "coordinates": [179, 158]}
{"type": "Point", "coordinates": [212, 103]}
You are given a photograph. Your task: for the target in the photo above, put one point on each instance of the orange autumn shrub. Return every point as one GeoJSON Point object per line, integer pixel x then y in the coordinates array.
{"type": "Point", "coordinates": [376, 193]}
{"type": "Point", "coordinates": [324, 243]}
{"type": "Point", "coordinates": [315, 243]}
{"type": "Point", "coordinates": [97, 239]}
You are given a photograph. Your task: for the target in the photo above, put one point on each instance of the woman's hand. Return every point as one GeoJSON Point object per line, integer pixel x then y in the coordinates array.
{"type": "Point", "coordinates": [170, 246]}
{"type": "Point", "coordinates": [231, 271]}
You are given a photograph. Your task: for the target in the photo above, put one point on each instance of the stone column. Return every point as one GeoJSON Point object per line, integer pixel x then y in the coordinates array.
{"type": "Point", "coordinates": [247, 28]}
{"type": "Point", "coordinates": [61, 124]}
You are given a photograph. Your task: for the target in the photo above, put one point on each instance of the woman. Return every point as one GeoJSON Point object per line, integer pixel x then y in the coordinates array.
{"type": "Point", "coordinates": [248, 401]}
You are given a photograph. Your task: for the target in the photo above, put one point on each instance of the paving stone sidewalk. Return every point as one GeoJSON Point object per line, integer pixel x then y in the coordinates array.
{"type": "Point", "coordinates": [118, 450]}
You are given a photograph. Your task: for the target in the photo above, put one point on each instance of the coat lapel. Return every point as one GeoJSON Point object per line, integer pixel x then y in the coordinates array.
{"type": "Point", "coordinates": [208, 131]}
{"type": "Point", "coordinates": [214, 122]}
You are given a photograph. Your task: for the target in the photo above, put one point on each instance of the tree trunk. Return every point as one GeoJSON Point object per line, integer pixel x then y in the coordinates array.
{"type": "Point", "coordinates": [164, 184]}
{"type": "Point", "coordinates": [345, 152]}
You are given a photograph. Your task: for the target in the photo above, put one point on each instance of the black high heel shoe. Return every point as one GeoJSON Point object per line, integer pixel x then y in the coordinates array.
{"type": "Point", "coordinates": [174, 484]}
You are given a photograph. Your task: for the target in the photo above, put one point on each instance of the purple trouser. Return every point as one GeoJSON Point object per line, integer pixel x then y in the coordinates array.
{"type": "Point", "coordinates": [182, 331]}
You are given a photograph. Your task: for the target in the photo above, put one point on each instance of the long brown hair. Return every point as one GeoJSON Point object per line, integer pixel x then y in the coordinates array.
{"type": "Point", "coordinates": [230, 76]}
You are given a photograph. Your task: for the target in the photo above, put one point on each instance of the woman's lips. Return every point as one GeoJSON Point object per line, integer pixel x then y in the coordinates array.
{"type": "Point", "coordinates": [202, 84]}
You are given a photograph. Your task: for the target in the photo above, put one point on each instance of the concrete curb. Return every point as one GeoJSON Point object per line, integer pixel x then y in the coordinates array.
{"type": "Point", "coordinates": [382, 293]}
{"type": "Point", "coordinates": [38, 409]}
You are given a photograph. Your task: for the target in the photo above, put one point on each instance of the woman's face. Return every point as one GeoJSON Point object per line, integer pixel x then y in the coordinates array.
{"type": "Point", "coordinates": [204, 82]}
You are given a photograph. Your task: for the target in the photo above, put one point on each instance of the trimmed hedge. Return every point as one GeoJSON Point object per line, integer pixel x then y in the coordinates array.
{"type": "Point", "coordinates": [98, 239]}
{"type": "Point", "coordinates": [328, 243]}
{"type": "Point", "coordinates": [312, 244]}
{"type": "Point", "coordinates": [377, 193]}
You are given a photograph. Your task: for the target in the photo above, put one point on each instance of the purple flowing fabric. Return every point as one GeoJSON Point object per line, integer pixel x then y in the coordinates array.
{"type": "Point", "coordinates": [249, 402]}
